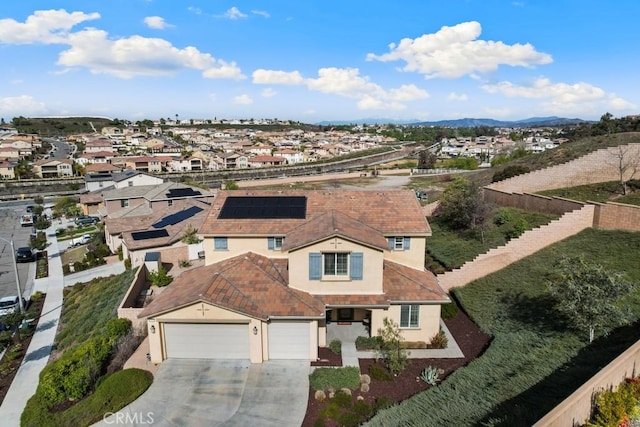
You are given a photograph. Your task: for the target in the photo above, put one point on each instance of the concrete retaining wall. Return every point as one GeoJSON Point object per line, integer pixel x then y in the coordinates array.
{"type": "Point", "coordinates": [576, 409]}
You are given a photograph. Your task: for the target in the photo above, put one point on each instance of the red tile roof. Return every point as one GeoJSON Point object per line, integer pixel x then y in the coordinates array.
{"type": "Point", "coordinates": [257, 286]}
{"type": "Point", "coordinates": [393, 212]}
{"type": "Point", "coordinates": [249, 284]}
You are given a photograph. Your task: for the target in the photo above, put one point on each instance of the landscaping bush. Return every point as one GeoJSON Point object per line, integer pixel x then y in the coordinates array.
{"type": "Point", "coordinates": [160, 278]}
{"type": "Point", "coordinates": [337, 378]}
{"type": "Point", "coordinates": [613, 408]}
{"type": "Point", "coordinates": [335, 346]}
{"type": "Point", "coordinates": [449, 311]}
{"type": "Point", "coordinates": [379, 373]}
{"type": "Point", "coordinates": [112, 394]}
{"type": "Point", "coordinates": [368, 343]}
{"type": "Point", "coordinates": [439, 340]}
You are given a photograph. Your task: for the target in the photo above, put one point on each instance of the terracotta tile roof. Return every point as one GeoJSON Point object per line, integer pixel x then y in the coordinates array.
{"type": "Point", "coordinates": [100, 167]}
{"type": "Point", "coordinates": [331, 224]}
{"type": "Point", "coordinates": [400, 284]}
{"type": "Point", "coordinates": [249, 284]}
{"type": "Point", "coordinates": [257, 286]}
{"type": "Point", "coordinates": [393, 212]}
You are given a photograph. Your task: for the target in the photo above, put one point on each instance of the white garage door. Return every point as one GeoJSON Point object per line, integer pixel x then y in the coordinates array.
{"type": "Point", "coordinates": [207, 340]}
{"type": "Point", "coordinates": [289, 340]}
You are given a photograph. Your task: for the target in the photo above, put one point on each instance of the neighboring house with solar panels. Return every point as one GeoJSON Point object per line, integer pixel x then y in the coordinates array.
{"type": "Point", "coordinates": [284, 267]}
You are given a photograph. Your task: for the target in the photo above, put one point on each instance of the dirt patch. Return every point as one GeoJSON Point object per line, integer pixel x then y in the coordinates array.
{"type": "Point", "coordinates": [471, 341]}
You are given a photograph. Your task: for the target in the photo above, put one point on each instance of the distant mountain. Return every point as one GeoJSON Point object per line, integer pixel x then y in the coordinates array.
{"type": "Point", "coordinates": [369, 121]}
{"type": "Point", "coordinates": [465, 123]}
{"type": "Point", "coordinates": [530, 122]}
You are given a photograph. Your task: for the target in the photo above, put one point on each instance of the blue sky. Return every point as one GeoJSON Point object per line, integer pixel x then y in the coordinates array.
{"type": "Point", "coordinates": [319, 60]}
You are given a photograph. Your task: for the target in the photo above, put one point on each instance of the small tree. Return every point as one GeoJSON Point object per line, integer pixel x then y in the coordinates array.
{"type": "Point", "coordinates": [230, 184]}
{"type": "Point", "coordinates": [459, 204]}
{"type": "Point", "coordinates": [39, 242]}
{"type": "Point", "coordinates": [589, 296]}
{"type": "Point", "coordinates": [627, 162]}
{"type": "Point", "coordinates": [190, 236]}
{"type": "Point", "coordinates": [426, 160]}
{"type": "Point", "coordinates": [391, 350]}
{"type": "Point", "coordinates": [160, 278]}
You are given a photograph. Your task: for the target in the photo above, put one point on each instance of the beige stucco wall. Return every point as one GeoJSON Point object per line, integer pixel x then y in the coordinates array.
{"type": "Point", "coordinates": [238, 246]}
{"type": "Point", "coordinates": [413, 257]}
{"type": "Point", "coordinates": [429, 322]}
{"type": "Point", "coordinates": [211, 314]}
{"type": "Point", "coordinates": [371, 282]}
{"type": "Point", "coordinates": [116, 205]}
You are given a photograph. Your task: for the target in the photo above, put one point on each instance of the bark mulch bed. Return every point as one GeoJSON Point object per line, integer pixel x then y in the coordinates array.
{"type": "Point", "coordinates": [470, 339]}
{"type": "Point", "coordinates": [9, 368]}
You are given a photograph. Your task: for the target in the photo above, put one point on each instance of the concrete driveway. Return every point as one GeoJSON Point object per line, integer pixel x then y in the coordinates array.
{"type": "Point", "coordinates": [221, 393]}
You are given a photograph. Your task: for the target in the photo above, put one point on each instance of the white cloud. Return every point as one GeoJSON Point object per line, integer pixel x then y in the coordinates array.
{"type": "Point", "coordinates": [346, 82]}
{"type": "Point", "coordinates": [234, 13]}
{"type": "Point", "coordinates": [262, 76]}
{"type": "Point", "coordinates": [562, 97]}
{"type": "Point", "coordinates": [268, 92]}
{"type": "Point", "coordinates": [261, 13]}
{"type": "Point", "coordinates": [457, 97]}
{"type": "Point", "coordinates": [453, 52]}
{"type": "Point", "coordinates": [21, 105]}
{"type": "Point", "coordinates": [156, 22]}
{"type": "Point", "coordinates": [243, 99]}
{"type": "Point", "coordinates": [195, 10]}
{"type": "Point", "coordinates": [44, 26]}
{"type": "Point", "coordinates": [139, 56]}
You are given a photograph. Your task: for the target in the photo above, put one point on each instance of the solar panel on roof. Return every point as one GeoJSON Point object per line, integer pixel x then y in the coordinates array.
{"type": "Point", "coordinates": [264, 207]}
{"type": "Point", "coordinates": [152, 234]}
{"type": "Point", "coordinates": [182, 192]}
{"type": "Point", "coordinates": [177, 217]}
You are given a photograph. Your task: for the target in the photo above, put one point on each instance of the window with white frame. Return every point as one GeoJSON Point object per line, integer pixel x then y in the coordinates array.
{"type": "Point", "coordinates": [335, 263]}
{"type": "Point", "coordinates": [220, 244]}
{"type": "Point", "coordinates": [275, 243]}
{"type": "Point", "coordinates": [409, 316]}
{"type": "Point", "coordinates": [336, 266]}
{"type": "Point", "coordinates": [399, 243]}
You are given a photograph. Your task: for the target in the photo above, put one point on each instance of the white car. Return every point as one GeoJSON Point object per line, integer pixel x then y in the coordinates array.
{"type": "Point", "coordinates": [9, 305]}
{"type": "Point", "coordinates": [81, 240]}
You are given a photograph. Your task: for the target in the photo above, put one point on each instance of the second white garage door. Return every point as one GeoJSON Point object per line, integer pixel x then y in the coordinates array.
{"type": "Point", "coordinates": [289, 340]}
{"type": "Point", "coordinates": [207, 340]}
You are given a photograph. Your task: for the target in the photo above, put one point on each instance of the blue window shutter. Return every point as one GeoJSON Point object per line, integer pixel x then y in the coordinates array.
{"type": "Point", "coordinates": [407, 243]}
{"type": "Point", "coordinates": [315, 266]}
{"type": "Point", "coordinates": [271, 243]}
{"type": "Point", "coordinates": [391, 241]}
{"type": "Point", "coordinates": [356, 266]}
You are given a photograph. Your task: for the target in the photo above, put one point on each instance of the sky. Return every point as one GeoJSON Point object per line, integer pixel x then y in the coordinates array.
{"type": "Point", "coordinates": [313, 61]}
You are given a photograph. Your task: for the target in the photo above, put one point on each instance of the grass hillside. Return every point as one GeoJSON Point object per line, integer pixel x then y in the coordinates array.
{"type": "Point", "coordinates": [534, 361]}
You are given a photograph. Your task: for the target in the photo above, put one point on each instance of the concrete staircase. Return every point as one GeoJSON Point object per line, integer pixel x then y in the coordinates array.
{"type": "Point", "coordinates": [528, 243]}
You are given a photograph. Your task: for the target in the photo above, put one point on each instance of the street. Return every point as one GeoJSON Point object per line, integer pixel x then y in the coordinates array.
{"type": "Point", "coordinates": [10, 229]}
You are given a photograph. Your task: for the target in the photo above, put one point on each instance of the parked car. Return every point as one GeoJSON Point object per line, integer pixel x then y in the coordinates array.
{"type": "Point", "coordinates": [25, 255]}
{"type": "Point", "coordinates": [81, 240]}
{"type": "Point", "coordinates": [9, 305]}
{"type": "Point", "coordinates": [87, 220]}
{"type": "Point", "coordinates": [30, 209]}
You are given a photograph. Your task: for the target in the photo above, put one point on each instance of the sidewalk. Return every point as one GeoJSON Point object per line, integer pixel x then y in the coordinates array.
{"type": "Point", "coordinates": [26, 380]}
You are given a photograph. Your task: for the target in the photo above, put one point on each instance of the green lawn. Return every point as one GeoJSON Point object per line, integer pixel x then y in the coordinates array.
{"type": "Point", "coordinates": [533, 362]}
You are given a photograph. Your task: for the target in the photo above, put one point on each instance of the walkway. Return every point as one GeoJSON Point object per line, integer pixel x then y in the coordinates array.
{"type": "Point", "coordinates": [348, 334]}
{"type": "Point", "coordinates": [26, 380]}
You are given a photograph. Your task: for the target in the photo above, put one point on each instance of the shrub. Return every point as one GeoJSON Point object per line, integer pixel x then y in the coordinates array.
{"type": "Point", "coordinates": [160, 278]}
{"type": "Point", "coordinates": [37, 296]}
{"type": "Point", "coordinates": [127, 264]}
{"type": "Point", "coordinates": [335, 346]}
{"type": "Point", "coordinates": [337, 378]}
{"type": "Point", "coordinates": [66, 269]}
{"type": "Point", "coordinates": [364, 388]}
{"type": "Point", "coordinates": [439, 340]}
{"type": "Point", "coordinates": [449, 311]}
{"type": "Point", "coordinates": [503, 216]}
{"type": "Point", "coordinates": [345, 390]}
{"type": "Point", "coordinates": [120, 253]}
{"type": "Point", "coordinates": [117, 328]}
{"type": "Point", "coordinates": [612, 408]}
{"type": "Point", "coordinates": [343, 398]}
{"type": "Point", "coordinates": [379, 373]}
{"type": "Point", "coordinates": [184, 263]}
{"type": "Point", "coordinates": [320, 396]}
{"type": "Point", "coordinates": [413, 344]}
{"type": "Point", "coordinates": [395, 357]}
{"type": "Point", "coordinates": [382, 402]}
{"type": "Point", "coordinates": [368, 343]}
{"type": "Point", "coordinates": [365, 379]}
{"type": "Point", "coordinates": [430, 375]}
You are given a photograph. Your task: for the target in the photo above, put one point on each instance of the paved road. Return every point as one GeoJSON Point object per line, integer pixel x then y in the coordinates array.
{"type": "Point", "coordinates": [10, 229]}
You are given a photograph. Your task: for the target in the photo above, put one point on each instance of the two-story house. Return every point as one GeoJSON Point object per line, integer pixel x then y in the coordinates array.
{"type": "Point", "coordinates": [52, 168]}
{"type": "Point", "coordinates": [283, 267]}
